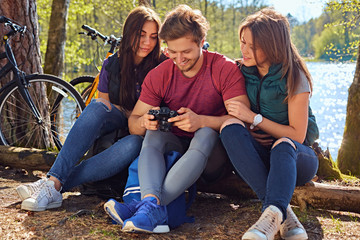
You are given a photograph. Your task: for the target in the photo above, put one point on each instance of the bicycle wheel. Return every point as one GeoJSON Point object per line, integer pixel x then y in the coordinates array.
{"type": "Point", "coordinates": [83, 85]}
{"type": "Point", "coordinates": [59, 105]}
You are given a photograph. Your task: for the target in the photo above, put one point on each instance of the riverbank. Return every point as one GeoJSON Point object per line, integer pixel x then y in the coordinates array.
{"type": "Point", "coordinates": [216, 217]}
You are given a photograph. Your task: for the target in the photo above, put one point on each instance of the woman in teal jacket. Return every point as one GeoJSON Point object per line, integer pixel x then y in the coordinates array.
{"type": "Point", "coordinates": [269, 144]}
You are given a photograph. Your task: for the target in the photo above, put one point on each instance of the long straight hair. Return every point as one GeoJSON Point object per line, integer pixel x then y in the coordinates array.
{"type": "Point", "coordinates": [271, 33]}
{"type": "Point", "coordinates": [128, 47]}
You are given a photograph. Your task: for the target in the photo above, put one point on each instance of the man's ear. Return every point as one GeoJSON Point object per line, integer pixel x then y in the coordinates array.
{"type": "Point", "coordinates": [202, 43]}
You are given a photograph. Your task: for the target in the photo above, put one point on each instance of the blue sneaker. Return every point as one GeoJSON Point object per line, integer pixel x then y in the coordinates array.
{"type": "Point", "coordinates": [119, 212]}
{"type": "Point", "coordinates": [149, 217]}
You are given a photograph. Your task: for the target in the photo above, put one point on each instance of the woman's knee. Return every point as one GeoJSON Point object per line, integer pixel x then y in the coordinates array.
{"type": "Point", "coordinates": [105, 102]}
{"type": "Point", "coordinates": [284, 139]}
{"type": "Point", "coordinates": [231, 121]}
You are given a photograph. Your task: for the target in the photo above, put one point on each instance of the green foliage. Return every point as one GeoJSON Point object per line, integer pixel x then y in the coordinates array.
{"type": "Point", "coordinates": [84, 56]}
{"type": "Point", "coordinates": [334, 35]}
{"type": "Point", "coordinates": [325, 43]}
{"type": "Point", "coordinates": [44, 12]}
{"type": "Point", "coordinates": [346, 23]}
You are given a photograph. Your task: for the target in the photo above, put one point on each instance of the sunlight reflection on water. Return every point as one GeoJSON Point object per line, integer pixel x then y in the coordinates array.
{"type": "Point", "coordinates": [329, 99]}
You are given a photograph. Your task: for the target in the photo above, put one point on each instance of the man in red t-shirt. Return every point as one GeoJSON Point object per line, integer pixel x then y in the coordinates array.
{"type": "Point", "coordinates": [197, 84]}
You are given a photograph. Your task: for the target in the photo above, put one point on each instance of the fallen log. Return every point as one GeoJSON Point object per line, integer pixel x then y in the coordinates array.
{"type": "Point", "coordinates": [314, 194]}
{"type": "Point", "coordinates": [317, 195]}
{"type": "Point", "coordinates": [26, 158]}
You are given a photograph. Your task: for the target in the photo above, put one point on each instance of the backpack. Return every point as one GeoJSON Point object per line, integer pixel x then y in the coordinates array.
{"type": "Point", "coordinates": [177, 208]}
{"type": "Point", "coordinates": [112, 187]}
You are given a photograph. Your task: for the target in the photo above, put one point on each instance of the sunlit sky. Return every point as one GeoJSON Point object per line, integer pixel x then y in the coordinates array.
{"type": "Point", "coordinates": [303, 10]}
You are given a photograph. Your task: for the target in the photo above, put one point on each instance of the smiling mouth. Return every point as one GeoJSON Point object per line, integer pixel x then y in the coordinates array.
{"type": "Point", "coordinates": [183, 63]}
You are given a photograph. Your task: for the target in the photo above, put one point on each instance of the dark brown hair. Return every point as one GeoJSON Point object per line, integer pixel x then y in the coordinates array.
{"type": "Point", "coordinates": [183, 21]}
{"type": "Point", "coordinates": [271, 33]}
{"type": "Point", "coordinates": [129, 45]}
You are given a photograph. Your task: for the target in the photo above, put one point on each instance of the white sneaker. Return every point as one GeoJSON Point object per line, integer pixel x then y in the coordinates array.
{"type": "Point", "coordinates": [47, 197]}
{"type": "Point", "coordinates": [292, 229]}
{"type": "Point", "coordinates": [267, 226]}
{"type": "Point", "coordinates": [26, 190]}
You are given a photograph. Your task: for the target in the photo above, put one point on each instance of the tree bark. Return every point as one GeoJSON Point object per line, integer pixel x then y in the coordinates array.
{"type": "Point", "coordinates": [349, 153]}
{"type": "Point", "coordinates": [27, 48]}
{"type": "Point", "coordinates": [55, 50]}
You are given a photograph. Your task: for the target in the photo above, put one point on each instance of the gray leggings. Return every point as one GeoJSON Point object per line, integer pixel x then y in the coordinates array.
{"type": "Point", "coordinates": [168, 186]}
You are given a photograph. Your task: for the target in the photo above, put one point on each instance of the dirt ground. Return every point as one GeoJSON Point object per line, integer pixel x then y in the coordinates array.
{"type": "Point", "coordinates": [216, 217]}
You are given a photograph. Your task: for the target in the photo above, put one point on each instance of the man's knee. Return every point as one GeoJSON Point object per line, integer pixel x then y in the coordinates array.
{"type": "Point", "coordinates": [283, 139]}
{"type": "Point", "coordinates": [231, 121]}
{"type": "Point", "coordinates": [153, 138]}
{"type": "Point", "coordinates": [206, 132]}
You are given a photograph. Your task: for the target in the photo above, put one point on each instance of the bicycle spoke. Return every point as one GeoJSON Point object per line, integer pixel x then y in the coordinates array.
{"type": "Point", "coordinates": [57, 104]}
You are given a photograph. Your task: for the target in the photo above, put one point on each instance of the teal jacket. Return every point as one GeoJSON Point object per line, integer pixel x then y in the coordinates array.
{"type": "Point", "coordinates": [267, 97]}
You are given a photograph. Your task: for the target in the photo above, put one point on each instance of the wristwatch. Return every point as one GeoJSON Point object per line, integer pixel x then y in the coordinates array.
{"type": "Point", "coordinates": [257, 120]}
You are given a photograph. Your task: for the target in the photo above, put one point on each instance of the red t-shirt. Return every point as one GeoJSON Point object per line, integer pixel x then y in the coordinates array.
{"type": "Point", "coordinates": [218, 80]}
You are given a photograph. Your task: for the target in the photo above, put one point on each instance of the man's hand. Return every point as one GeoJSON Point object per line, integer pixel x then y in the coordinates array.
{"type": "Point", "coordinates": [187, 120]}
{"type": "Point", "coordinates": [240, 110]}
{"type": "Point", "coordinates": [148, 122]}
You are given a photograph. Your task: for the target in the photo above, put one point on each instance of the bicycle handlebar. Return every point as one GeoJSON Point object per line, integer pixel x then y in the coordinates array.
{"type": "Point", "coordinates": [4, 19]}
{"type": "Point", "coordinates": [15, 27]}
{"type": "Point", "coordinates": [93, 33]}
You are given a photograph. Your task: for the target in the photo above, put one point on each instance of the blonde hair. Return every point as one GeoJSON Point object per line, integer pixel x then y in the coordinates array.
{"type": "Point", "coordinates": [271, 33]}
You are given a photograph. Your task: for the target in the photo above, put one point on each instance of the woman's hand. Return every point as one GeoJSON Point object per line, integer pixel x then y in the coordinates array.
{"type": "Point", "coordinates": [263, 138]}
{"type": "Point", "coordinates": [240, 111]}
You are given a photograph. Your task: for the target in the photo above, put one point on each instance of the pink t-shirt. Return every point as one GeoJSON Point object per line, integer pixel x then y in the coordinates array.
{"type": "Point", "coordinates": [218, 80]}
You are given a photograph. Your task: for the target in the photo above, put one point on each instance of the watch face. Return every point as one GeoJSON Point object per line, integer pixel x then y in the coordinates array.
{"type": "Point", "coordinates": [257, 119]}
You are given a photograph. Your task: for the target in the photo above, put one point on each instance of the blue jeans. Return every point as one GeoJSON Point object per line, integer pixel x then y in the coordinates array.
{"type": "Point", "coordinates": [271, 173]}
{"type": "Point", "coordinates": [95, 121]}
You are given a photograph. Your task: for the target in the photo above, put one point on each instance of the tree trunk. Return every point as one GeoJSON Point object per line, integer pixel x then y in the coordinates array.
{"type": "Point", "coordinates": [146, 3]}
{"type": "Point", "coordinates": [349, 153]}
{"type": "Point", "coordinates": [27, 54]}
{"type": "Point", "coordinates": [55, 50]}
{"type": "Point", "coordinates": [26, 49]}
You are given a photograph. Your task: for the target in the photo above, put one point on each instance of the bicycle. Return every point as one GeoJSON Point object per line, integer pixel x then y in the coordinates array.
{"type": "Point", "coordinates": [89, 92]}
{"type": "Point", "coordinates": [36, 110]}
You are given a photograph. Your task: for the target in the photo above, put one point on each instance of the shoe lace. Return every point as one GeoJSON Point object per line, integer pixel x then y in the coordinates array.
{"type": "Point", "coordinates": [43, 191]}
{"type": "Point", "coordinates": [36, 185]}
{"type": "Point", "coordinates": [150, 209]}
{"type": "Point", "coordinates": [291, 221]}
{"type": "Point", "coordinates": [268, 223]}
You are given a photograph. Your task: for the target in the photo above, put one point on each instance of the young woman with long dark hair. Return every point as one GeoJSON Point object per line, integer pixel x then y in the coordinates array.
{"type": "Point", "coordinates": [119, 88]}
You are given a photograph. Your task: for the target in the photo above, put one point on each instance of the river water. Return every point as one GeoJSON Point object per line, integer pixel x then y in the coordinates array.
{"type": "Point", "coordinates": [329, 99]}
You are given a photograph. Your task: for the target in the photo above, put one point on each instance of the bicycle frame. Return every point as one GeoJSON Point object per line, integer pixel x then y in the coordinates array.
{"type": "Point", "coordinates": [20, 79]}
{"type": "Point", "coordinates": [95, 84]}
